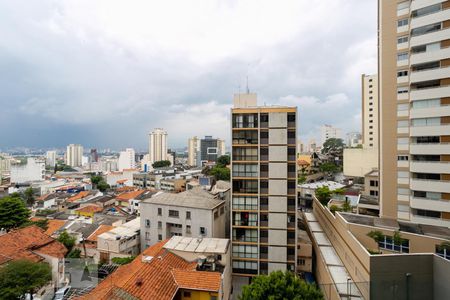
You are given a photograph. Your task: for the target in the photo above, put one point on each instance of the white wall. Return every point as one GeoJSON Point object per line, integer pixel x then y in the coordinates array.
{"type": "Point", "coordinates": [33, 170]}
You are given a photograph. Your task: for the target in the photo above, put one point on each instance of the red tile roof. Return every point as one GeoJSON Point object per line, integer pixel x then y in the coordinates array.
{"type": "Point", "coordinates": [91, 208]}
{"type": "Point", "coordinates": [27, 243]}
{"type": "Point", "coordinates": [79, 196]}
{"type": "Point", "coordinates": [101, 229]}
{"type": "Point", "coordinates": [156, 279]}
{"type": "Point", "coordinates": [127, 196]}
{"type": "Point", "coordinates": [54, 225]}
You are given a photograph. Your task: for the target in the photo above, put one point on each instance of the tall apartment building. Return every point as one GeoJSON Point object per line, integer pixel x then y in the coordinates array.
{"type": "Point", "coordinates": [193, 148]}
{"type": "Point", "coordinates": [126, 159]}
{"type": "Point", "coordinates": [329, 132]}
{"type": "Point", "coordinates": [157, 148]}
{"type": "Point", "coordinates": [50, 158]}
{"type": "Point", "coordinates": [210, 149]}
{"type": "Point", "coordinates": [74, 155]}
{"type": "Point", "coordinates": [414, 84]}
{"type": "Point", "coordinates": [369, 91]}
{"type": "Point", "coordinates": [264, 188]}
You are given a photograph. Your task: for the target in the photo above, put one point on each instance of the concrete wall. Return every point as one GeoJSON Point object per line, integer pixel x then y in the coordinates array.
{"type": "Point", "coordinates": [441, 276]}
{"type": "Point", "coordinates": [278, 237]}
{"type": "Point", "coordinates": [277, 170]}
{"type": "Point", "coordinates": [277, 187]}
{"type": "Point", "coordinates": [278, 203]}
{"type": "Point", "coordinates": [277, 136]}
{"type": "Point", "coordinates": [278, 153]}
{"type": "Point", "coordinates": [277, 119]}
{"type": "Point", "coordinates": [358, 162]}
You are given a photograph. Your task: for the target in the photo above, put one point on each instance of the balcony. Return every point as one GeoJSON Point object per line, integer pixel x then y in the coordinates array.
{"type": "Point", "coordinates": [429, 130]}
{"type": "Point", "coordinates": [434, 148]}
{"type": "Point", "coordinates": [429, 56]}
{"type": "Point", "coordinates": [430, 74]}
{"type": "Point", "coordinates": [430, 221]}
{"type": "Point", "coordinates": [417, 4]}
{"type": "Point", "coordinates": [403, 96]}
{"type": "Point", "coordinates": [431, 18]}
{"type": "Point", "coordinates": [428, 38]}
{"type": "Point", "coordinates": [429, 112]}
{"type": "Point", "coordinates": [430, 167]}
{"type": "Point", "coordinates": [425, 203]}
{"type": "Point", "coordinates": [402, 12]}
{"type": "Point", "coordinates": [440, 186]}
{"type": "Point", "coordinates": [403, 79]}
{"type": "Point", "coordinates": [403, 62]}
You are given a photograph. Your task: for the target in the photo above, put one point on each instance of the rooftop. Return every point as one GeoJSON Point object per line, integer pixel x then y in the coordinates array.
{"type": "Point", "coordinates": [127, 196]}
{"type": "Point", "coordinates": [430, 230]}
{"type": "Point", "coordinates": [194, 198]}
{"type": "Point", "coordinates": [91, 208]}
{"type": "Point", "coordinates": [332, 185]}
{"type": "Point", "coordinates": [125, 230]}
{"type": "Point", "coordinates": [197, 245]}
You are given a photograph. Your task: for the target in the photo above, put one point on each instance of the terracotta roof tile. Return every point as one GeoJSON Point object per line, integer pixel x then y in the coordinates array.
{"type": "Point", "coordinates": [89, 209]}
{"type": "Point", "coordinates": [79, 196]}
{"type": "Point", "coordinates": [101, 229]}
{"type": "Point", "coordinates": [197, 280]}
{"type": "Point", "coordinates": [127, 196]}
{"type": "Point", "coordinates": [26, 243]}
{"type": "Point", "coordinates": [54, 225]}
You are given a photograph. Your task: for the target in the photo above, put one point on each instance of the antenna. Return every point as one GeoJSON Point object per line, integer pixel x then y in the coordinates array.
{"type": "Point", "coordinates": [248, 91]}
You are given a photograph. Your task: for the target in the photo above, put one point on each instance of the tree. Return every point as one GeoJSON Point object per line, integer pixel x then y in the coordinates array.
{"type": "Point", "coordinates": [42, 223]}
{"type": "Point", "coordinates": [67, 240]}
{"type": "Point", "coordinates": [20, 277]}
{"type": "Point", "coordinates": [280, 285]}
{"type": "Point", "coordinates": [398, 240]}
{"type": "Point", "coordinates": [377, 236]}
{"type": "Point", "coordinates": [323, 194]}
{"type": "Point", "coordinates": [102, 186]}
{"type": "Point", "coordinates": [333, 147]}
{"type": "Point", "coordinates": [13, 212]}
{"type": "Point", "coordinates": [123, 260]}
{"type": "Point", "coordinates": [96, 179]}
{"type": "Point", "coordinates": [346, 206]}
{"type": "Point", "coordinates": [223, 160]}
{"type": "Point", "coordinates": [329, 167]}
{"type": "Point", "coordinates": [161, 164]}
{"type": "Point", "coordinates": [29, 196]}
{"type": "Point", "coordinates": [220, 173]}
{"type": "Point", "coordinates": [74, 253]}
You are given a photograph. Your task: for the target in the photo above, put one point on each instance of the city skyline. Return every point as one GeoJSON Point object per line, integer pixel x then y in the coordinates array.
{"type": "Point", "coordinates": [127, 76]}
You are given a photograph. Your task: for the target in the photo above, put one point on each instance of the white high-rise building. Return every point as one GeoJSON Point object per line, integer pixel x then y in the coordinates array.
{"type": "Point", "coordinates": [329, 132]}
{"type": "Point", "coordinates": [157, 145]}
{"type": "Point", "coordinates": [127, 159]}
{"type": "Point", "coordinates": [50, 158]}
{"type": "Point", "coordinates": [193, 149]}
{"type": "Point", "coordinates": [74, 155]}
{"type": "Point", "coordinates": [33, 170]}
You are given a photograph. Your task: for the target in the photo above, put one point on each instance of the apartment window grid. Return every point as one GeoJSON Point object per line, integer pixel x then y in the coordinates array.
{"type": "Point", "coordinates": [245, 251]}
{"type": "Point", "coordinates": [245, 203]}
{"type": "Point", "coordinates": [174, 213]}
{"type": "Point", "coordinates": [388, 243]}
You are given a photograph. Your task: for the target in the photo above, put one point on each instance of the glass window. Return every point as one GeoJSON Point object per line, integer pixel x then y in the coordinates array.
{"type": "Point", "coordinates": [188, 215]}
{"type": "Point", "coordinates": [402, 73]}
{"type": "Point", "coordinates": [402, 39]}
{"type": "Point", "coordinates": [426, 103]}
{"type": "Point", "coordinates": [159, 211]}
{"type": "Point", "coordinates": [403, 174]}
{"type": "Point", "coordinates": [402, 22]}
{"type": "Point", "coordinates": [245, 203]}
{"type": "Point", "coordinates": [443, 251]}
{"type": "Point", "coordinates": [173, 213]}
{"type": "Point", "coordinates": [402, 90]}
{"type": "Point", "coordinates": [402, 191]}
{"type": "Point", "coordinates": [402, 56]}
{"type": "Point", "coordinates": [426, 122]}
{"type": "Point", "coordinates": [245, 170]}
{"type": "Point", "coordinates": [426, 10]}
{"type": "Point", "coordinates": [426, 29]}
{"type": "Point", "coordinates": [245, 251]}
{"type": "Point", "coordinates": [388, 243]}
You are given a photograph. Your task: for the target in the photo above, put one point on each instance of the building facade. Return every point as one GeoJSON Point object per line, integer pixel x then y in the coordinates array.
{"type": "Point", "coordinates": [193, 149]}
{"type": "Point", "coordinates": [264, 188]}
{"type": "Point", "coordinates": [369, 91]}
{"type": "Point", "coordinates": [126, 159]}
{"type": "Point", "coordinates": [33, 170]}
{"type": "Point", "coordinates": [74, 155]}
{"type": "Point", "coordinates": [50, 158]}
{"type": "Point", "coordinates": [157, 148]}
{"type": "Point", "coordinates": [329, 132]}
{"type": "Point", "coordinates": [414, 78]}
{"type": "Point", "coordinates": [210, 149]}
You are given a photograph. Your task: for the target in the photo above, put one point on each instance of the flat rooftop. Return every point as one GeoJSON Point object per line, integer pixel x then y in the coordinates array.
{"type": "Point", "coordinates": [198, 245]}
{"type": "Point", "coordinates": [429, 230]}
{"type": "Point", "coordinates": [332, 185]}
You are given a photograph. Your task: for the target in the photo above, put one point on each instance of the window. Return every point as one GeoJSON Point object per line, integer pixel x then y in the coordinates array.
{"type": "Point", "coordinates": [402, 22]}
{"type": "Point", "coordinates": [245, 251]}
{"type": "Point", "coordinates": [370, 127]}
{"type": "Point", "coordinates": [245, 121]}
{"type": "Point", "coordinates": [443, 251]}
{"type": "Point", "coordinates": [426, 10]}
{"type": "Point", "coordinates": [402, 39]}
{"type": "Point", "coordinates": [428, 213]}
{"type": "Point", "coordinates": [373, 193]}
{"type": "Point", "coordinates": [402, 124]}
{"type": "Point", "coordinates": [159, 211]}
{"type": "Point", "coordinates": [241, 202]}
{"type": "Point", "coordinates": [370, 103]}
{"type": "Point", "coordinates": [245, 186]}
{"type": "Point", "coordinates": [245, 219]}
{"type": "Point", "coordinates": [402, 157]}
{"type": "Point", "coordinates": [402, 141]}
{"type": "Point", "coordinates": [426, 29]}
{"type": "Point", "coordinates": [388, 243]}
{"type": "Point", "coordinates": [403, 191]}
{"type": "Point", "coordinates": [370, 109]}
{"type": "Point", "coordinates": [374, 183]}
{"type": "Point", "coordinates": [403, 5]}
{"type": "Point", "coordinates": [216, 214]}
{"type": "Point", "coordinates": [147, 223]}
{"type": "Point", "coordinates": [402, 56]}
{"type": "Point", "coordinates": [402, 90]}
{"type": "Point", "coordinates": [300, 261]}
{"type": "Point", "coordinates": [159, 224]}
{"type": "Point", "coordinates": [245, 170]}
{"type": "Point", "coordinates": [426, 139]}
{"type": "Point", "coordinates": [188, 229]}
{"type": "Point", "coordinates": [291, 117]}
{"type": "Point", "coordinates": [402, 107]}
{"type": "Point", "coordinates": [188, 215]}
{"type": "Point", "coordinates": [159, 237]}
{"type": "Point", "coordinates": [245, 137]}
{"type": "Point", "coordinates": [245, 235]}
{"type": "Point", "coordinates": [202, 230]}
{"type": "Point", "coordinates": [222, 210]}
{"type": "Point", "coordinates": [248, 154]}
{"type": "Point", "coordinates": [426, 122]}
{"type": "Point", "coordinates": [426, 103]}
{"type": "Point", "coordinates": [173, 213]}
{"type": "Point", "coordinates": [147, 236]}
{"type": "Point", "coordinates": [244, 266]}
{"type": "Point", "coordinates": [402, 73]}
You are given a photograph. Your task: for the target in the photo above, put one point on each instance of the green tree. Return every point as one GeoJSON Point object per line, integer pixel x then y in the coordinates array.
{"type": "Point", "coordinates": [13, 212]}
{"type": "Point", "coordinates": [102, 186]}
{"type": "Point", "coordinates": [220, 173]}
{"type": "Point", "coordinates": [161, 164]}
{"type": "Point", "coordinates": [23, 276]}
{"type": "Point", "coordinates": [398, 240]}
{"type": "Point", "coordinates": [28, 196]}
{"type": "Point", "coordinates": [223, 160]}
{"type": "Point", "coordinates": [333, 146]}
{"type": "Point", "coordinates": [301, 179]}
{"type": "Point", "coordinates": [346, 206]}
{"type": "Point", "coordinates": [74, 253]}
{"type": "Point", "coordinates": [329, 167]}
{"type": "Point", "coordinates": [279, 286]}
{"type": "Point", "coordinates": [95, 180]}
{"type": "Point", "coordinates": [123, 260]}
{"type": "Point", "coordinates": [323, 194]}
{"type": "Point", "coordinates": [377, 236]}
{"type": "Point", "coordinates": [67, 240]}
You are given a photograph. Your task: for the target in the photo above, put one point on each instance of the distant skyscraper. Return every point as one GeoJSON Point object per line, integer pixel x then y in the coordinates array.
{"type": "Point", "coordinates": [50, 158]}
{"type": "Point", "coordinates": [126, 159]}
{"type": "Point", "coordinates": [93, 155]}
{"type": "Point", "coordinates": [370, 110]}
{"type": "Point", "coordinates": [157, 145]}
{"type": "Point", "coordinates": [74, 155]}
{"type": "Point", "coordinates": [193, 149]}
{"type": "Point", "coordinates": [329, 132]}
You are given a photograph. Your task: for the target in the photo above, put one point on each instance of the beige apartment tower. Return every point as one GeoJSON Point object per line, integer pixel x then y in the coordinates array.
{"type": "Point", "coordinates": [74, 155]}
{"type": "Point", "coordinates": [264, 185]}
{"type": "Point", "coordinates": [157, 147]}
{"type": "Point", "coordinates": [193, 148]}
{"type": "Point", "coordinates": [369, 89]}
{"type": "Point", "coordinates": [414, 85]}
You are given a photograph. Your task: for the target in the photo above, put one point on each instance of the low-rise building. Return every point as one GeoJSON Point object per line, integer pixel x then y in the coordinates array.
{"type": "Point", "coordinates": [33, 170]}
{"type": "Point", "coordinates": [121, 241]}
{"type": "Point", "coordinates": [181, 268]}
{"type": "Point", "coordinates": [193, 213]}
{"type": "Point", "coordinates": [88, 211]}
{"type": "Point", "coordinates": [122, 178]}
{"type": "Point", "coordinates": [173, 185]}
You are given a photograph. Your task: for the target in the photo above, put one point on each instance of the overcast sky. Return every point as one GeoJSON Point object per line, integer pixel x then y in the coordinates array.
{"type": "Point", "coordinates": [105, 73]}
